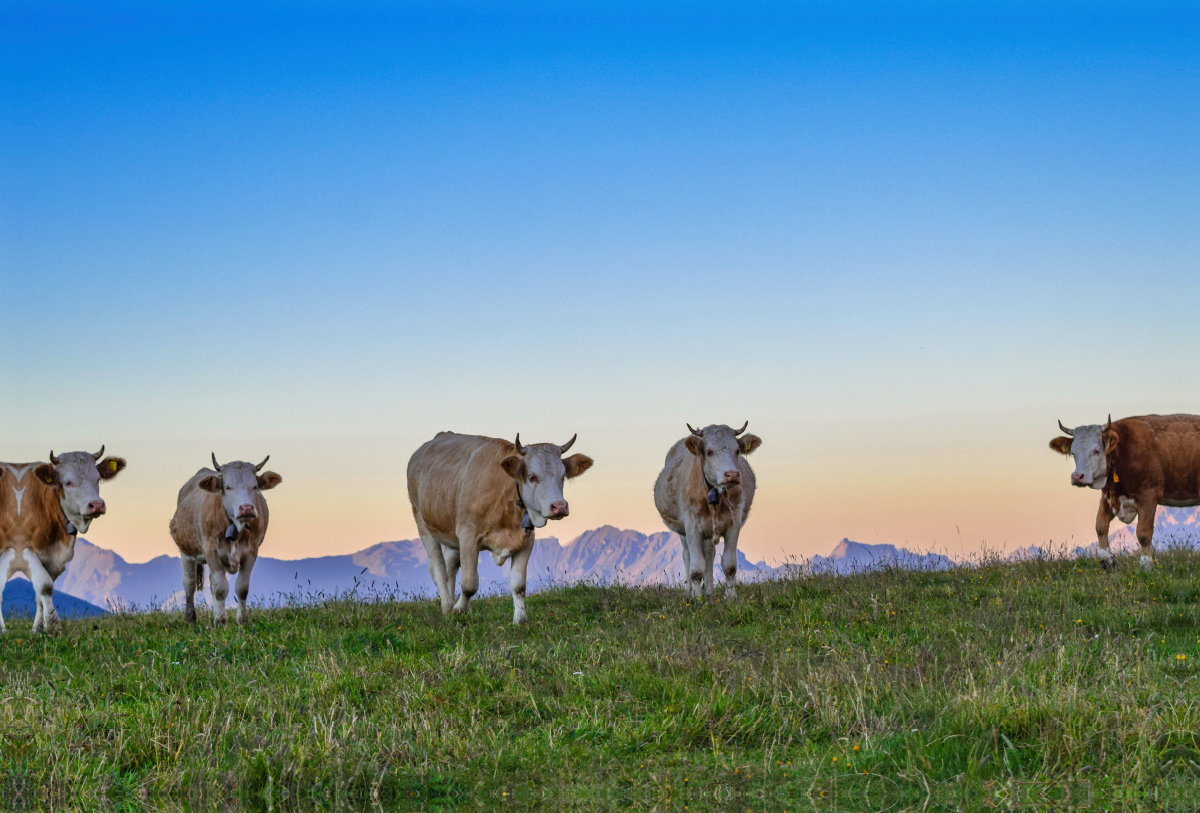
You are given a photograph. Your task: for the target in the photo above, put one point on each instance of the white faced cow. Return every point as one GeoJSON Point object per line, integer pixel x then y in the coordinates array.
{"type": "Point", "coordinates": [43, 506]}
{"type": "Point", "coordinates": [1137, 464]}
{"type": "Point", "coordinates": [704, 493]}
{"type": "Point", "coordinates": [471, 493]}
{"type": "Point", "coordinates": [221, 520]}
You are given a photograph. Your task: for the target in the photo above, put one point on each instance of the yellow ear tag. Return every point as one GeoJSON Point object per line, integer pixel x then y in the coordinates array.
{"type": "Point", "coordinates": [1116, 479]}
{"type": "Point", "coordinates": [112, 464]}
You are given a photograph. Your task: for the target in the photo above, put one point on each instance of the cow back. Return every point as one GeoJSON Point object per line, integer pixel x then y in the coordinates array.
{"type": "Point", "coordinates": [454, 476]}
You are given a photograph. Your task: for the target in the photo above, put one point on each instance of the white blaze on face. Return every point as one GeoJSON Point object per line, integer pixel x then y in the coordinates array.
{"type": "Point", "coordinates": [542, 486]}
{"type": "Point", "coordinates": [239, 485]}
{"type": "Point", "coordinates": [78, 476]}
{"type": "Point", "coordinates": [1091, 464]}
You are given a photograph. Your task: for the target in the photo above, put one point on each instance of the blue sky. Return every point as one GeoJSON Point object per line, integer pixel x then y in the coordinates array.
{"type": "Point", "coordinates": [901, 239]}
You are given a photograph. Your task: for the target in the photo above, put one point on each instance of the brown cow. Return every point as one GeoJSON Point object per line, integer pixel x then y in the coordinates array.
{"type": "Point", "coordinates": [1137, 464]}
{"type": "Point", "coordinates": [43, 507]}
{"type": "Point", "coordinates": [470, 493]}
{"type": "Point", "coordinates": [221, 520]}
{"type": "Point", "coordinates": [704, 493]}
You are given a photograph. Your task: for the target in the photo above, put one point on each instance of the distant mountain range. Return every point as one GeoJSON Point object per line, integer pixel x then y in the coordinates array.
{"type": "Point", "coordinates": [18, 601]}
{"type": "Point", "coordinates": [99, 578]}
{"type": "Point", "coordinates": [605, 556]}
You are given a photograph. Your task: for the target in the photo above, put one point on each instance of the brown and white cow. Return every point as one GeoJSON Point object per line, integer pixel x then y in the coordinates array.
{"type": "Point", "coordinates": [704, 493]}
{"type": "Point", "coordinates": [1137, 464]}
{"type": "Point", "coordinates": [43, 507]}
{"type": "Point", "coordinates": [220, 521]}
{"type": "Point", "coordinates": [471, 493]}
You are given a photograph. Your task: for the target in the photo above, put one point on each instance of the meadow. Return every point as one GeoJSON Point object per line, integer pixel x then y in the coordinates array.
{"type": "Point", "coordinates": [1049, 684]}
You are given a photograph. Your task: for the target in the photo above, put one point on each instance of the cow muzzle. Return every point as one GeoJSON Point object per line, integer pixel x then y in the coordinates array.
{"type": "Point", "coordinates": [246, 511]}
{"type": "Point", "coordinates": [559, 509]}
{"type": "Point", "coordinates": [1080, 479]}
{"type": "Point", "coordinates": [95, 508]}
{"type": "Point", "coordinates": [732, 477]}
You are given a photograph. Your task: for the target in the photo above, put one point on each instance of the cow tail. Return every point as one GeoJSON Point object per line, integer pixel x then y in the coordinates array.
{"type": "Point", "coordinates": [199, 576]}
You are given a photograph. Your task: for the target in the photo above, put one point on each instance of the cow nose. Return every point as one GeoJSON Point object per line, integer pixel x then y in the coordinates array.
{"type": "Point", "coordinates": [1077, 479]}
{"type": "Point", "coordinates": [95, 508]}
{"type": "Point", "coordinates": [559, 509]}
{"type": "Point", "coordinates": [246, 510]}
{"type": "Point", "coordinates": [732, 476]}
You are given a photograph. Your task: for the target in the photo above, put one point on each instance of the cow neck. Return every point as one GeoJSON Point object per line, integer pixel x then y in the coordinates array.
{"type": "Point", "coordinates": [526, 522]}
{"type": "Point", "coordinates": [69, 526]}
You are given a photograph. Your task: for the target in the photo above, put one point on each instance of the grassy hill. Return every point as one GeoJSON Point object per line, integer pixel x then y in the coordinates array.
{"type": "Point", "coordinates": [1045, 681]}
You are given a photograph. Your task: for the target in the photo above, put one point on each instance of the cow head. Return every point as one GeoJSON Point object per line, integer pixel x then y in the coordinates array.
{"type": "Point", "coordinates": [539, 470]}
{"type": "Point", "coordinates": [718, 447]}
{"type": "Point", "coordinates": [76, 478]}
{"type": "Point", "coordinates": [1090, 446]}
{"type": "Point", "coordinates": [237, 483]}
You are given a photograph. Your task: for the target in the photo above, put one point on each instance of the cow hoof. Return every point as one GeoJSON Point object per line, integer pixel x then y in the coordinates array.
{"type": "Point", "coordinates": [520, 618]}
{"type": "Point", "coordinates": [1146, 562]}
{"type": "Point", "coordinates": [1104, 555]}
{"type": "Point", "coordinates": [189, 617]}
{"type": "Point", "coordinates": [730, 594]}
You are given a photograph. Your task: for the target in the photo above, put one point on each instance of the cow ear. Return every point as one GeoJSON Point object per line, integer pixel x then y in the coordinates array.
{"type": "Point", "coordinates": [210, 483]}
{"type": "Point", "coordinates": [693, 444]}
{"type": "Point", "coordinates": [45, 473]}
{"type": "Point", "coordinates": [109, 467]}
{"type": "Point", "coordinates": [577, 464]}
{"type": "Point", "coordinates": [1110, 440]}
{"type": "Point", "coordinates": [748, 443]}
{"type": "Point", "coordinates": [1062, 445]}
{"type": "Point", "coordinates": [268, 480]}
{"type": "Point", "coordinates": [514, 465]}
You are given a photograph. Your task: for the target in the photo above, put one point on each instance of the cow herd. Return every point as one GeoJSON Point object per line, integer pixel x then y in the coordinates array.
{"type": "Point", "coordinates": [471, 493]}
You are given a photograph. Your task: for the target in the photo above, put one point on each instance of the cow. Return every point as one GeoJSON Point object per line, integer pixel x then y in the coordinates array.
{"type": "Point", "coordinates": [472, 493]}
{"type": "Point", "coordinates": [704, 493]}
{"type": "Point", "coordinates": [1137, 464]}
{"type": "Point", "coordinates": [220, 521]}
{"type": "Point", "coordinates": [43, 508]}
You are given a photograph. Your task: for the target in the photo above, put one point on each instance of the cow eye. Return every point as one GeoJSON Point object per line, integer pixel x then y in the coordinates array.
{"type": "Point", "coordinates": [1095, 451]}
{"type": "Point", "coordinates": [533, 478]}
{"type": "Point", "coordinates": [709, 453]}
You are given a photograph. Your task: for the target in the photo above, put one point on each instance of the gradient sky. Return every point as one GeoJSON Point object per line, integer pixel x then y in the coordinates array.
{"type": "Point", "coordinates": [902, 240]}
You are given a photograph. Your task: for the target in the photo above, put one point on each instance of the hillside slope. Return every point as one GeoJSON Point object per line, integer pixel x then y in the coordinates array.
{"type": "Point", "coordinates": [885, 690]}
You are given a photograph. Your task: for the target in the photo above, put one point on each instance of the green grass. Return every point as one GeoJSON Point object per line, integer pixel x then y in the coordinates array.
{"type": "Point", "coordinates": [1050, 682]}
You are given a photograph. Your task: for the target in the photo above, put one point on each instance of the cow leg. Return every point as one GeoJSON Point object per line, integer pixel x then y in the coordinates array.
{"type": "Point", "coordinates": [452, 558]}
{"type": "Point", "coordinates": [242, 587]}
{"type": "Point", "coordinates": [695, 560]}
{"type": "Point", "coordinates": [518, 567]}
{"type": "Point", "coordinates": [193, 573]}
{"type": "Point", "coordinates": [437, 569]}
{"type": "Point", "coordinates": [1147, 508]}
{"type": "Point", "coordinates": [468, 556]}
{"type": "Point", "coordinates": [687, 556]}
{"type": "Point", "coordinates": [218, 586]}
{"type": "Point", "coordinates": [5, 559]}
{"type": "Point", "coordinates": [729, 561]}
{"type": "Point", "coordinates": [43, 588]}
{"type": "Point", "coordinates": [710, 555]}
{"type": "Point", "coordinates": [1103, 520]}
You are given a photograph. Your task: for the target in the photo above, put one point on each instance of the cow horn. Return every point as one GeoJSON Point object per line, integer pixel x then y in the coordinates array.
{"type": "Point", "coordinates": [1068, 432]}
{"type": "Point", "coordinates": [520, 448]}
{"type": "Point", "coordinates": [53, 459]}
{"type": "Point", "coordinates": [260, 465]}
{"type": "Point", "coordinates": [743, 429]}
{"type": "Point", "coordinates": [695, 432]}
{"type": "Point", "coordinates": [563, 449]}
{"type": "Point", "coordinates": [1109, 424]}
{"type": "Point", "coordinates": [99, 454]}
{"type": "Point", "coordinates": [216, 465]}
